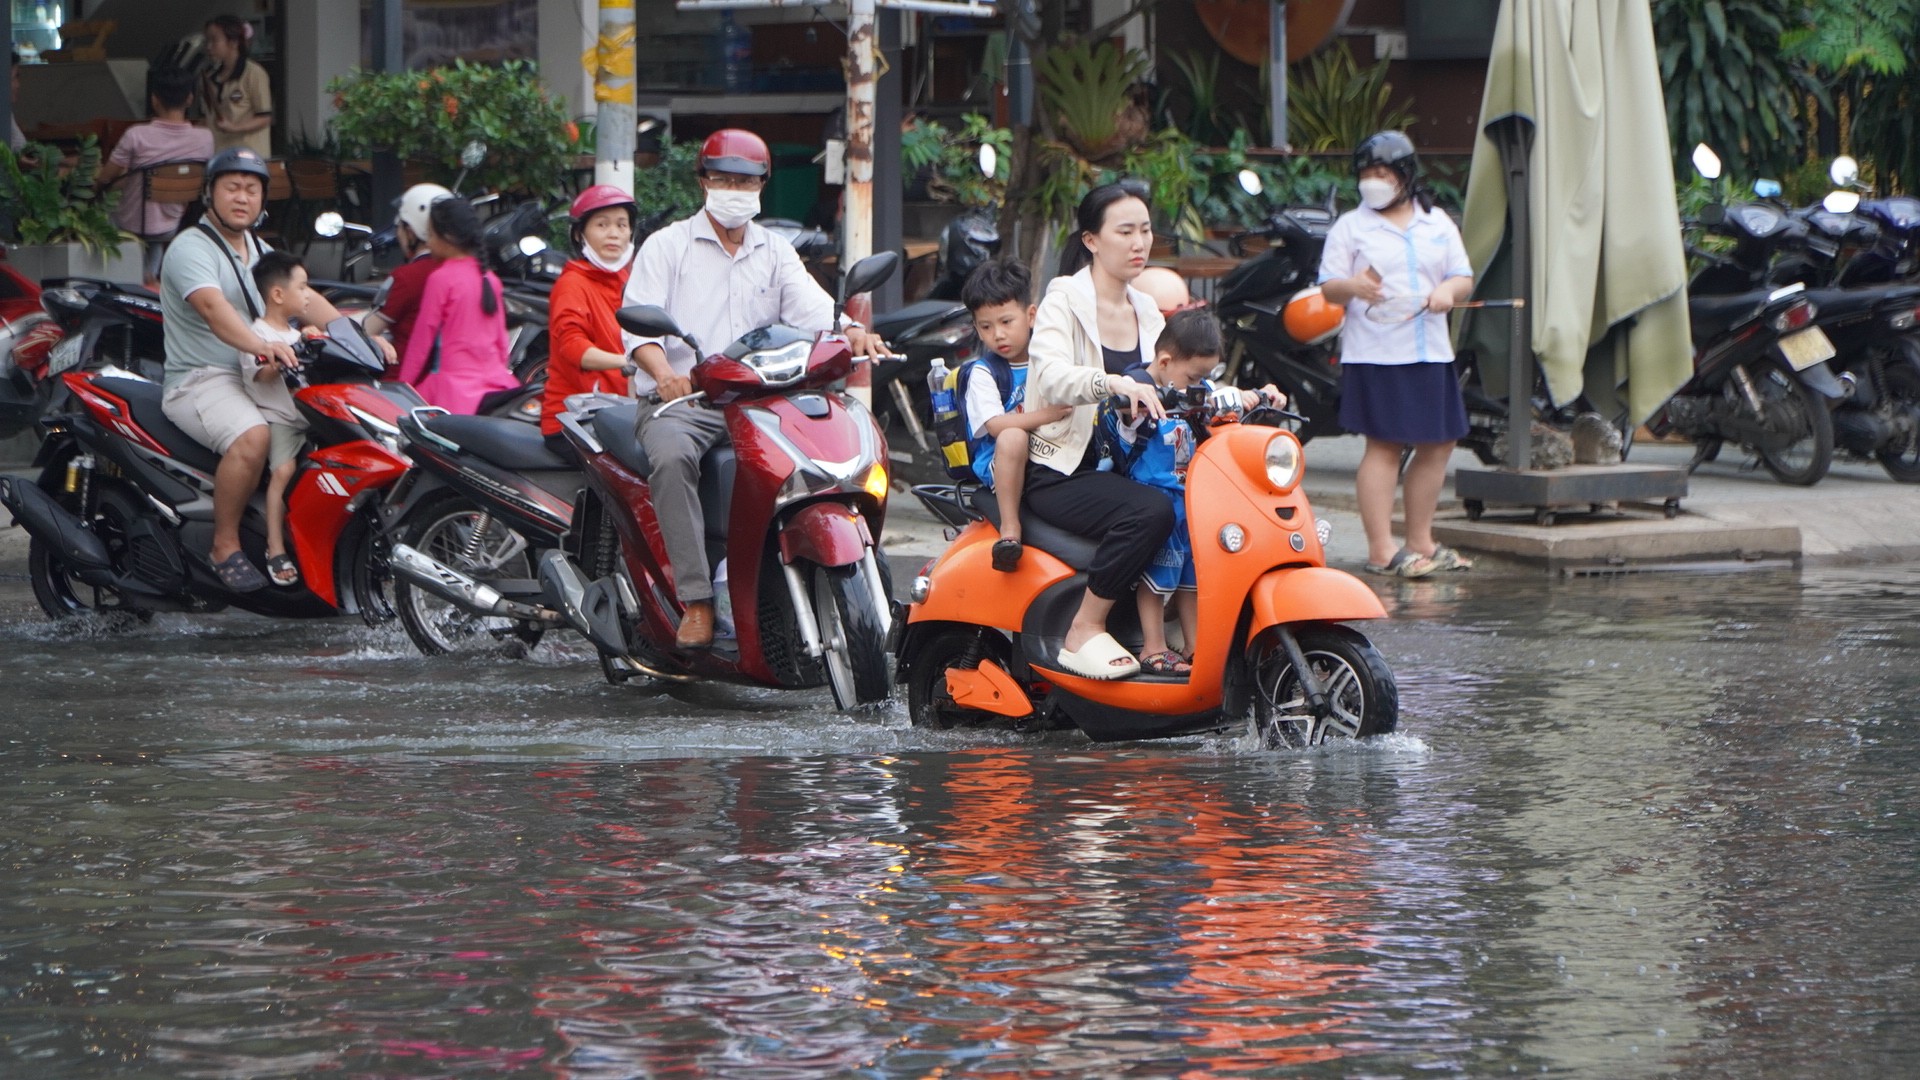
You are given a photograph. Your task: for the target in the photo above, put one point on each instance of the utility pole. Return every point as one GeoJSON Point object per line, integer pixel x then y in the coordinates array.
{"type": "Point", "coordinates": [388, 56]}
{"type": "Point", "coordinates": [613, 63]}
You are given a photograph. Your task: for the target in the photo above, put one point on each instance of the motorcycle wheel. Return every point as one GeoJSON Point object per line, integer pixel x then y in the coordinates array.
{"type": "Point", "coordinates": [454, 532]}
{"type": "Point", "coordinates": [1806, 460]}
{"type": "Point", "coordinates": [853, 628]}
{"type": "Point", "coordinates": [928, 703]}
{"type": "Point", "coordinates": [1901, 458]}
{"type": "Point", "coordinates": [373, 583]}
{"type": "Point", "coordinates": [63, 596]}
{"type": "Point", "coordinates": [1358, 682]}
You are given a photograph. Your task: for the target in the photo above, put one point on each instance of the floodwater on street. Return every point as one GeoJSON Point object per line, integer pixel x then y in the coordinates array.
{"type": "Point", "coordinates": [1639, 826]}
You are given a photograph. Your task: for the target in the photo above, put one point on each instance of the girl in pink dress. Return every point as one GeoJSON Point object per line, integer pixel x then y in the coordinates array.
{"type": "Point", "coordinates": [457, 353]}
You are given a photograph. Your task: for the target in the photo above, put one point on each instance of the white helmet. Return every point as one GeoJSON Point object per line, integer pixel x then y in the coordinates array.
{"type": "Point", "coordinates": [415, 204]}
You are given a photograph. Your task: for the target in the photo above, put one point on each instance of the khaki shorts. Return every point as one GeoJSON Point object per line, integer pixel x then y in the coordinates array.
{"type": "Point", "coordinates": [284, 442]}
{"type": "Point", "coordinates": [212, 406]}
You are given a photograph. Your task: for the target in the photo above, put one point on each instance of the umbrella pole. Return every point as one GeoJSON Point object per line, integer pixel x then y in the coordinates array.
{"type": "Point", "coordinates": [1513, 136]}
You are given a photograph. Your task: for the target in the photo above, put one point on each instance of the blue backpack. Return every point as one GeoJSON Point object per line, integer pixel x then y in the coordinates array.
{"type": "Point", "coordinates": [951, 426]}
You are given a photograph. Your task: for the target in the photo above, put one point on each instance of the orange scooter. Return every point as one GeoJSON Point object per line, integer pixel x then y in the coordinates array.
{"type": "Point", "coordinates": [977, 646]}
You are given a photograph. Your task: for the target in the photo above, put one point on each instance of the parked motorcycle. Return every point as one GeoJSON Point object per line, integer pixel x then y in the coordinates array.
{"type": "Point", "coordinates": [793, 506]}
{"type": "Point", "coordinates": [121, 517]}
{"type": "Point", "coordinates": [976, 645]}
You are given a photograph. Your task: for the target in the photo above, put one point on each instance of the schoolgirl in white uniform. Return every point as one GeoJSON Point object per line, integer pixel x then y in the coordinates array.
{"type": "Point", "coordinates": [1397, 382]}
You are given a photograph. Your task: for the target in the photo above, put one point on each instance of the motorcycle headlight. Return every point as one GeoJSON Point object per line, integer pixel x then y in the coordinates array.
{"type": "Point", "coordinates": [778, 367]}
{"type": "Point", "coordinates": [1283, 461]}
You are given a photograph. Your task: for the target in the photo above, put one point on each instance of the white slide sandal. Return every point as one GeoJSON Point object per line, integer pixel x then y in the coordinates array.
{"type": "Point", "coordinates": [1100, 658]}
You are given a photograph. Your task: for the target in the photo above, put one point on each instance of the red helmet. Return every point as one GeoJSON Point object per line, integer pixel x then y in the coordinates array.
{"type": "Point", "coordinates": [731, 150]}
{"type": "Point", "coordinates": [591, 201]}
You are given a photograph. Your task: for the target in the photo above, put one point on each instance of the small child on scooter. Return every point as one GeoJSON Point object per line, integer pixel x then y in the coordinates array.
{"type": "Point", "coordinates": [1156, 454]}
{"type": "Point", "coordinates": [282, 280]}
{"type": "Point", "coordinates": [993, 390]}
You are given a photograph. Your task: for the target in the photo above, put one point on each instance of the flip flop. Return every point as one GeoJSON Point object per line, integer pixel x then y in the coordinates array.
{"type": "Point", "coordinates": [1406, 563]}
{"type": "Point", "coordinates": [1445, 558]}
{"type": "Point", "coordinates": [239, 575]}
{"type": "Point", "coordinates": [1006, 555]}
{"type": "Point", "coordinates": [1100, 658]}
{"type": "Point", "coordinates": [282, 569]}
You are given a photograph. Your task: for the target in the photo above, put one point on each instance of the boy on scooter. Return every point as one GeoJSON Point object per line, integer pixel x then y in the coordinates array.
{"type": "Point", "coordinates": [993, 390]}
{"type": "Point", "coordinates": [1156, 453]}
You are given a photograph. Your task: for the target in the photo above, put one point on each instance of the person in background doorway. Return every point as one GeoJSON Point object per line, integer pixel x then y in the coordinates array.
{"type": "Point", "coordinates": [235, 98]}
{"type": "Point", "coordinates": [166, 137]}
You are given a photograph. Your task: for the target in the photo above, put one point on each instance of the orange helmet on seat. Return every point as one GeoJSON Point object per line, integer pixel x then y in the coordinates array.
{"type": "Point", "coordinates": [1310, 319]}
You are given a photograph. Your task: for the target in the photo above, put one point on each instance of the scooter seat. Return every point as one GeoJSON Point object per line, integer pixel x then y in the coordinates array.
{"type": "Point", "coordinates": [144, 399]}
{"type": "Point", "coordinates": [1713, 316]}
{"type": "Point", "coordinates": [614, 427]}
{"type": "Point", "coordinates": [1070, 548]}
{"type": "Point", "coordinates": [902, 323]}
{"type": "Point", "coordinates": [509, 444]}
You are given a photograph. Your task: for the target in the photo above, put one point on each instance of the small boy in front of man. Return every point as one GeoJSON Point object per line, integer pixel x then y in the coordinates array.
{"type": "Point", "coordinates": [282, 281]}
{"type": "Point", "coordinates": [993, 390]}
{"type": "Point", "coordinates": [1156, 454]}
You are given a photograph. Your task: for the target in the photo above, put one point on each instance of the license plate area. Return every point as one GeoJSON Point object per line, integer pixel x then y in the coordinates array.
{"type": "Point", "coordinates": [65, 355]}
{"type": "Point", "coordinates": [1805, 348]}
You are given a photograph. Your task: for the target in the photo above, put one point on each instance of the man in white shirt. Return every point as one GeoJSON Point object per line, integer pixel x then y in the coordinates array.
{"type": "Point", "coordinates": [719, 275]}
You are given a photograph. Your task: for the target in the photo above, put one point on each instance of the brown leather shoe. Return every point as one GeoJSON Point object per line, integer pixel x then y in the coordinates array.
{"type": "Point", "coordinates": [696, 626]}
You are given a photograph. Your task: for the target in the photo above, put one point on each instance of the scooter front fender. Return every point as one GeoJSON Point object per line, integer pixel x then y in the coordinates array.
{"type": "Point", "coordinates": [1311, 594]}
{"type": "Point", "coordinates": [825, 533]}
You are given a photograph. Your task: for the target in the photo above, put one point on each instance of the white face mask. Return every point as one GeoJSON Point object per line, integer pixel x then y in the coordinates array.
{"type": "Point", "coordinates": [1376, 194]}
{"type": "Point", "coordinates": [609, 265]}
{"type": "Point", "coordinates": [733, 209]}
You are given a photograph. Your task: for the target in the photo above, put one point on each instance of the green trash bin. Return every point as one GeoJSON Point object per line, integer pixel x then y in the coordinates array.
{"type": "Point", "coordinates": [795, 184]}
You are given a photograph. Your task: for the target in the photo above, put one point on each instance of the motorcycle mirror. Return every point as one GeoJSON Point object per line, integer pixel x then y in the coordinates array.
{"type": "Point", "coordinates": [1844, 171]}
{"type": "Point", "coordinates": [989, 160]}
{"type": "Point", "coordinates": [532, 245]}
{"type": "Point", "coordinates": [869, 272]}
{"type": "Point", "coordinates": [472, 154]}
{"type": "Point", "coordinates": [648, 320]}
{"type": "Point", "coordinates": [1713, 214]}
{"type": "Point", "coordinates": [330, 224]}
{"type": "Point", "coordinates": [1765, 188]}
{"type": "Point", "coordinates": [1250, 182]}
{"type": "Point", "coordinates": [1841, 202]}
{"type": "Point", "coordinates": [1706, 162]}
{"type": "Point", "coordinates": [646, 124]}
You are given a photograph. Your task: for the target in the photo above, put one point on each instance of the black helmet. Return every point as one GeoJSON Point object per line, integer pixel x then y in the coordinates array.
{"type": "Point", "coordinates": [1392, 149]}
{"type": "Point", "coordinates": [237, 159]}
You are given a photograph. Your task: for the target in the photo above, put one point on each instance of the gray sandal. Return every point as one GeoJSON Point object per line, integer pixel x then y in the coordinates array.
{"type": "Point", "coordinates": [1406, 563]}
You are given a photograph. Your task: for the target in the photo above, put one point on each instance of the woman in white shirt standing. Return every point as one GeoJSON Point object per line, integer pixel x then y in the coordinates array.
{"type": "Point", "coordinates": [1397, 383]}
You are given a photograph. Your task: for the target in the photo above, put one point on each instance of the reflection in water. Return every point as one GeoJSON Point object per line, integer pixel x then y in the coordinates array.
{"type": "Point", "coordinates": [1650, 826]}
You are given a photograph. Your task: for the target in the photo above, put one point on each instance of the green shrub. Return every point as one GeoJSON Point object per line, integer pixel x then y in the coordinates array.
{"type": "Point", "coordinates": [48, 208]}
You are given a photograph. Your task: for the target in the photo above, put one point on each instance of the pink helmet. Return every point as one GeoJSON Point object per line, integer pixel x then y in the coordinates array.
{"type": "Point", "coordinates": [594, 199]}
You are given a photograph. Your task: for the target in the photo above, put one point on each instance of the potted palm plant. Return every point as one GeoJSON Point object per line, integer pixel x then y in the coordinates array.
{"type": "Point", "coordinates": [59, 224]}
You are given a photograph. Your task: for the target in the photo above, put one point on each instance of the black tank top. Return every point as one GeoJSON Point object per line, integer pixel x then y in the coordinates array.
{"type": "Point", "coordinates": [1119, 360]}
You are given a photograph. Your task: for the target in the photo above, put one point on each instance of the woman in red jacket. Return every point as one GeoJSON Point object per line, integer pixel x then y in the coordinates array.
{"type": "Point", "coordinates": [584, 339]}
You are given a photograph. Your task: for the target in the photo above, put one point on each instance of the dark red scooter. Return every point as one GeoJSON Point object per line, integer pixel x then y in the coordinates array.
{"type": "Point", "coordinates": [793, 506]}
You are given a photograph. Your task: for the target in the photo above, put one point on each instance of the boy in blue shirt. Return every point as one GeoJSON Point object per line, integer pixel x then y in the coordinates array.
{"type": "Point", "coordinates": [992, 391]}
{"type": "Point", "coordinates": [1156, 454]}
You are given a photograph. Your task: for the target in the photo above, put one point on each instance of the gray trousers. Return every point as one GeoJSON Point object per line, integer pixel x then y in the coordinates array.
{"type": "Point", "coordinates": [675, 443]}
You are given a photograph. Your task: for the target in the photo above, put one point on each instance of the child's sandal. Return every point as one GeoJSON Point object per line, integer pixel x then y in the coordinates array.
{"type": "Point", "coordinates": [282, 569]}
{"type": "Point", "coordinates": [1165, 662]}
{"type": "Point", "coordinates": [1006, 555]}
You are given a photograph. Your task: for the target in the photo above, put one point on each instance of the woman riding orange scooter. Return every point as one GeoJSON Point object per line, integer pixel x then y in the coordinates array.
{"type": "Point", "coordinates": [977, 645]}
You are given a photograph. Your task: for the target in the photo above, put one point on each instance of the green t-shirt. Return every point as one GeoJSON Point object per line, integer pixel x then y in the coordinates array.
{"type": "Point", "coordinates": [197, 261]}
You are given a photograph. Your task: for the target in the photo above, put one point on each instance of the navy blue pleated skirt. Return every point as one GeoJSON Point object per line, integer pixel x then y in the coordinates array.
{"type": "Point", "coordinates": [1402, 403]}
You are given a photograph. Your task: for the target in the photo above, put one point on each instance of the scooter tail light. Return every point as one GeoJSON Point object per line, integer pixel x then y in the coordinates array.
{"type": "Point", "coordinates": [1795, 317]}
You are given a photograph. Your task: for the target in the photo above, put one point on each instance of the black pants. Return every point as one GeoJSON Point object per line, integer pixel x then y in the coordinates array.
{"type": "Point", "coordinates": [1129, 520]}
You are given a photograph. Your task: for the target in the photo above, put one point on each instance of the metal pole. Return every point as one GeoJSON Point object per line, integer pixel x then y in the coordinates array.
{"type": "Point", "coordinates": [887, 225]}
{"type": "Point", "coordinates": [1277, 72]}
{"type": "Point", "coordinates": [388, 55]}
{"type": "Point", "coordinates": [613, 89]}
{"type": "Point", "coordinates": [856, 221]}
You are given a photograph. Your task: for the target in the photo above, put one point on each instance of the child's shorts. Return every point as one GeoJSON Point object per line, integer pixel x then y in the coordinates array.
{"type": "Point", "coordinates": [1172, 566]}
{"type": "Point", "coordinates": [283, 443]}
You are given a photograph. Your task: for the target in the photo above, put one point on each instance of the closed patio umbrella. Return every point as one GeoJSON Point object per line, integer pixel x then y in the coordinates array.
{"type": "Point", "coordinates": [1574, 100]}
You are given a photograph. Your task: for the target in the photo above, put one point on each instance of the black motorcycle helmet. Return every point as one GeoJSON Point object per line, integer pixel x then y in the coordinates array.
{"type": "Point", "coordinates": [238, 159]}
{"type": "Point", "coordinates": [1394, 150]}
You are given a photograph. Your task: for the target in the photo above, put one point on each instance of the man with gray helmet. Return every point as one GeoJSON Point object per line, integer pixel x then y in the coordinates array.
{"type": "Point", "coordinates": [398, 302]}
{"type": "Point", "coordinates": [209, 301]}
